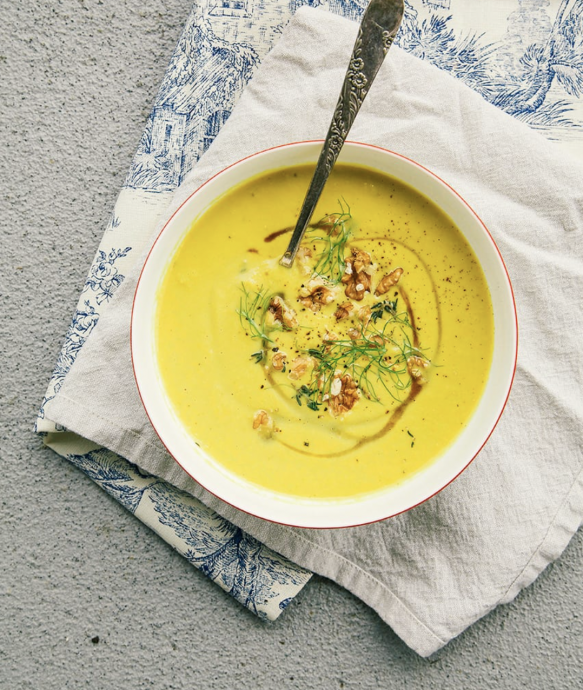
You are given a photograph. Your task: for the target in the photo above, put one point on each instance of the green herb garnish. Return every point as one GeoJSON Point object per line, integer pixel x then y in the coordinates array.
{"type": "Point", "coordinates": [308, 394]}
{"type": "Point", "coordinates": [366, 358]}
{"type": "Point", "coordinates": [253, 308]}
{"type": "Point", "coordinates": [258, 356]}
{"type": "Point", "coordinates": [374, 354]}
{"type": "Point", "coordinates": [386, 306]}
{"type": "Point", "coordinates": [333, 231]}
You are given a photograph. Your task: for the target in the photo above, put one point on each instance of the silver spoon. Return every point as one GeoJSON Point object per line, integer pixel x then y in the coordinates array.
{"type": "Point", "coordinates": [378, 28]}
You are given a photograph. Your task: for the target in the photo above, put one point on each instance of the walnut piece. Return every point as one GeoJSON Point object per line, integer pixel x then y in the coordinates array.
{"type": "Point", "coordinates": [415, 366]}
{"type": "Point", "coordinates": [344, 311]}
{"type": "Point", "coordinates": [356, 274]}
{"type": "Point", "coordinates": [330, 335]}
{"type": "Point", "coordinates": [330, 224]}
{"type": "Point", "coordinates": [299, 367]}
{"type": "Point", "coordinates": [278, 360]}
{"type": "Point", "coordinates": [316, 294]}
{"type": "Point", "coordinates": [344, 394]}
{"type": "Point", "coordinates": [263, 423]}
{"type": "Point", "coordinates": [388, 281]}
{"type": "Point", "coordinates": [278, 313]}
{"type": "Point", "coordinates": [364, 314]}
{"type": "Point", "coordinates": [303, 259]}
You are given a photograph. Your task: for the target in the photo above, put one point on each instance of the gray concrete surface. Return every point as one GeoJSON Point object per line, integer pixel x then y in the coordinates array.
{"type": "Point", "coordinates": [89, 596]}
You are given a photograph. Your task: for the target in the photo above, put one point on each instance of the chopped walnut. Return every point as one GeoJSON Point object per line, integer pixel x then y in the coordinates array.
{"type": "Point", "coordinates": [278, 360]}
{"type": "Point", "coordinates": [316, 294]}
{"type": "Point", "coordinates": [336, 387]}
{"type": "Point", "coordinates": [360, 260]}
{"type": "Point", "coordinates": [299, 366]}
{"type": "Point", "coordinates": [330, 335]}
{"type": "Point", "coordinates": [303, 259]}
{"type": "Point", "coordinates": [263, 423]}
{"type": "Point", "coordinates": [344, 311]}
{"type": "Point", "coordinates": [353, 334]}
{"type": "Point", "coordinates": [261, 418]}
{"type": "Point", "coordinates": [343, 394]}
{"type": "Point", "coordinates": [279, 313]}
{"type": "Point", "coordinates": [364, 314]}
{"type": "Point", "coordinates": [356, 276]}
{"type": "Point", "coordinates": [415, 366]}
{"type": "Point", "coordinates": [330, 224]}
{"type": "Point", "coordinates": [388, 281]}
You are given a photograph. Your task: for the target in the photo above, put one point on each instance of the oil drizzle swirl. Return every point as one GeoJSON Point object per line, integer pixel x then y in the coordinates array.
{"type": "Point", "coordinates": [277, 233]}
{"type": "Point", "coordinates": [415, 389]}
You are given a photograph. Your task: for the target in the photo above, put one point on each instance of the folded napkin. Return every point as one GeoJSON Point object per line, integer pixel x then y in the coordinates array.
{"type": "Point", "coordinates": [433, 571]}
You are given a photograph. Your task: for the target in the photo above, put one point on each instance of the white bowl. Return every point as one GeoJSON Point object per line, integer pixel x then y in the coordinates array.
{"type": "Point", "coordinates": [325, 513]}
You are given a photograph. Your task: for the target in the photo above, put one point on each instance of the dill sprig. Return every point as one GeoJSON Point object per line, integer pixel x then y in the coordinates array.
{"type": "Point", "coordinates": [333, 231]}
{"type": "Point", "coordinates": [253, 309]}
{"type": "Point", "coordinates": [308, 393]}
{"type": "Point", "coordinates": [366, 358]}
{"type": "Point", "coordinates": [390, 308]}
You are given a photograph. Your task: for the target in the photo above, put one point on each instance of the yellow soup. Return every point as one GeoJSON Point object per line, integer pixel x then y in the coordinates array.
{"type": "Point", "coordinates": [345, 374]}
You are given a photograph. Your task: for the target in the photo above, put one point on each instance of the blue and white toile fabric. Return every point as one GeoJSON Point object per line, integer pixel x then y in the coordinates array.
{"type": "Point", "coordinates": [526, 58]}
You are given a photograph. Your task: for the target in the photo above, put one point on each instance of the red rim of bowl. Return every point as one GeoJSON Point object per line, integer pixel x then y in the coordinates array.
{"type": "Point", "coordinates": [515, 354]}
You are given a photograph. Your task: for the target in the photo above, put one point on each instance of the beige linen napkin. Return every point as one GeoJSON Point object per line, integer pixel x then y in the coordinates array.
{"type": "Point", "coordinates": [433, 571]}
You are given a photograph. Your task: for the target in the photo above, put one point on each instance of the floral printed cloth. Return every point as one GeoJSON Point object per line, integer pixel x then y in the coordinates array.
{"type": "Point", "coordinates": [216, 56]}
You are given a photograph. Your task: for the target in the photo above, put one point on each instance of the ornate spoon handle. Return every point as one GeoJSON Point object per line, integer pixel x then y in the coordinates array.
{"type": "Point", "coordinates": [376, 33]}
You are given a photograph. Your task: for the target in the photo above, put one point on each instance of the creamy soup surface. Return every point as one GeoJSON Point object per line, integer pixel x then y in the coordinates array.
{"type": "Point", "coordinates": [345, 374]}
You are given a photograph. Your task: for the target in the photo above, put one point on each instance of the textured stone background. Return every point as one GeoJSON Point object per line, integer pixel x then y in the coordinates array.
{"type": "Point", "coordinates": [89, 596]}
